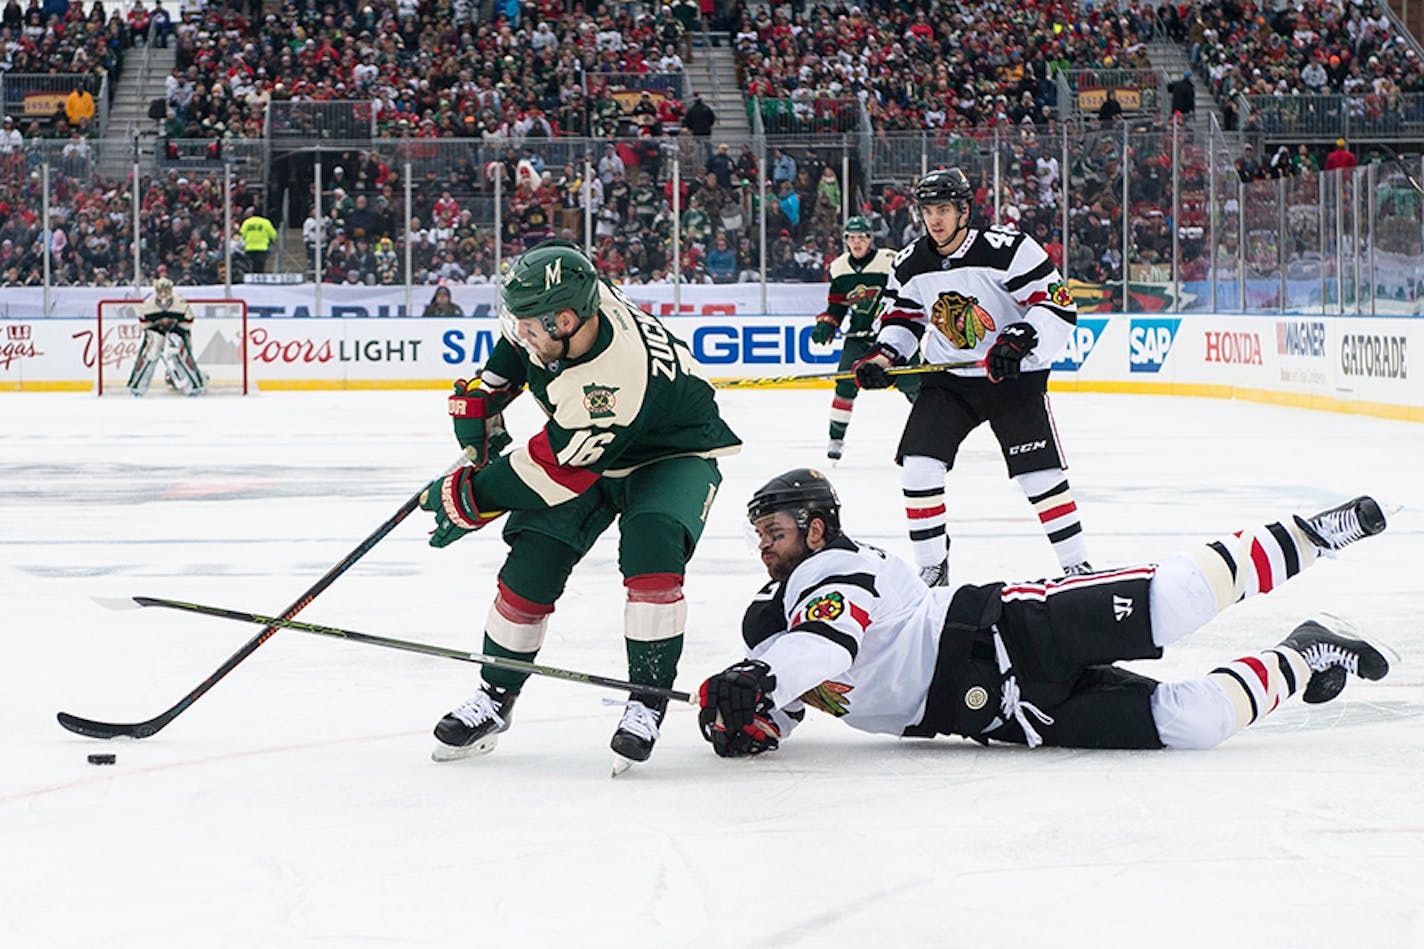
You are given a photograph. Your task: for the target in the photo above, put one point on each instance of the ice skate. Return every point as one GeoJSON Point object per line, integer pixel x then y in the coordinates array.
{"type": "Point", "coordinates": [638, 732]}
{"type": "Point", "coordinates": [1341, 526]}
{"type": "Point", "coordinates": [834, 449]}
{"type": "Point", "coordinates": [1330, 649]}
{"type": "Point", "coordinates": [1080, 569]}
{"type": "Point", "coordinates": [936, 576]}
{"type": "Point", "coordinates": [474, 727]}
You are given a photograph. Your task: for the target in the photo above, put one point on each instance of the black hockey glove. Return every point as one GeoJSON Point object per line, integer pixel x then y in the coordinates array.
{"type": "Point", "coordinates": [1014, 343]}
{"type": "Point", "coordinates": [736, 710]}
{"type": "Point", "coordinates": [478, 417]}
{"type": "Point", "coordinates": [872, 375]}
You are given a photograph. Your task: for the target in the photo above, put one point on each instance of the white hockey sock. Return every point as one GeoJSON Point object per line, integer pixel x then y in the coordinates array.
{"type": "Point", "coordinates": [922, 481]}
{"type": "Point", "coordinates": [1052, 500]}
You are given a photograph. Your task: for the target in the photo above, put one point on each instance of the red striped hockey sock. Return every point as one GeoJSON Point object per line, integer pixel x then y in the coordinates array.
{"type": "Point", "coordinates": [1257, 685]}
{"type": "Point", "coordinates": [1254, 561]}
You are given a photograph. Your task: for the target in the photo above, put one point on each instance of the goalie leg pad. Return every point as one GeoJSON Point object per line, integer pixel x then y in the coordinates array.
{"type": "Point", "coordinates": [181, 364]}
{"type": "Point", "coordinates": [149, 355]}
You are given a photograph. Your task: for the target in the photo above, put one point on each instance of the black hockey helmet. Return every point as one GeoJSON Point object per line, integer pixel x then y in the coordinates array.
{"type": "Point", "coordinates": [945, 185]}
{"type": "Point", "coordinates": [804, 493]}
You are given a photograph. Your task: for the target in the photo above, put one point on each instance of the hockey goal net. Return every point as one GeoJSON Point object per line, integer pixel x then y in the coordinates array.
{"type": "Point", "coordinates": [219, 344]}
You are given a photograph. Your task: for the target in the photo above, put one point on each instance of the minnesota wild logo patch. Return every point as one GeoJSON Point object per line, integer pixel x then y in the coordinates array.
{"type": "Point", "coordinates": [961, 319]}
{"type": "Point", "coordinates": [599, 400]}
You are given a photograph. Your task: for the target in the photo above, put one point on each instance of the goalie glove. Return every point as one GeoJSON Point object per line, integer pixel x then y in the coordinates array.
{"type": "Point", "coordinates": [735, 714]}
{"type": "Point", "coordinates": [825, 329]}
{"type": "Point", "coordinates": [452, 500]}
{"type": "Point", "coordinates": [478, 417]}
{"type": "Point", "coordinates": [870, 369]}
{"type": "Point", "coordinates": [1008, 351]}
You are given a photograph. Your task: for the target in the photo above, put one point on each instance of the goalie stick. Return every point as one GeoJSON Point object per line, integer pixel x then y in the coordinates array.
{"type": "Point", "coordinates": [749, 382]}
{"type": "Point", "coordinates": [425, 649]}
{"type": "Point", "coordinates": [96, 729]}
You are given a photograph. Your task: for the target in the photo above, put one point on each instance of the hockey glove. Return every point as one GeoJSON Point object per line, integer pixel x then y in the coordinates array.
{"type": "Point", "coordinates": [870, 369]}
{"type": "Point", "coordinates": [452, 500]}
{"type": "Point", "coordinates": [825, 329]}
{"type": "Point", "coordinates": [736, 710]}
{"type": "Point", "coordinates": [1014, 343]}
{"type": "Point", "coordinates": [478, 416]}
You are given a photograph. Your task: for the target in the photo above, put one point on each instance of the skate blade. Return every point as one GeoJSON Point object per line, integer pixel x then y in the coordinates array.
{"type": "Point", "coordinates": [1346, 628]}
{"type": "Point", "coordinates": [444, 752]}
{"type": "Point", "coordinates": [621, 764]}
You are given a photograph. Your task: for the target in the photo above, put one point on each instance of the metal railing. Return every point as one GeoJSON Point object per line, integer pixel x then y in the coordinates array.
{"type": "Point", "coordinates": [1175, 220]}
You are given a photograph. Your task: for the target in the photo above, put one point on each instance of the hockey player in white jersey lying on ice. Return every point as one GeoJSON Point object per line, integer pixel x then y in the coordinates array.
{"type": "Point", "coordinates": [851, 630]}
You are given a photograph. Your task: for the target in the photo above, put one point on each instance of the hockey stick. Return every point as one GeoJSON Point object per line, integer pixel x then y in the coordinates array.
{"type": "Point", "coordinates": [750, 382]}
{"type": "Point", "coordinates": [425, 649]}
{"type": "Point", "coordinates": [1399, 165]}
{"type": "Point", "coordinates": [96, 729]}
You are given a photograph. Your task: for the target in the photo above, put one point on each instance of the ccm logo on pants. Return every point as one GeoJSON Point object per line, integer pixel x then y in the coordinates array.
{"type": "Point", "coordinates": [1027, 447]}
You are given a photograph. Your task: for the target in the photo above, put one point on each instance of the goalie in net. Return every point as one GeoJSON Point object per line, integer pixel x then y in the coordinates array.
{"type": "Point", "coordinates": [168, 339]}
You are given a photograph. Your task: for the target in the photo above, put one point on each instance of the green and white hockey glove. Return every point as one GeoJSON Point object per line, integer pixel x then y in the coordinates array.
{"type": "Point", "coordinates": [825, 329]}
{"type": "Point", "coordinates": [452, 500]}
{"type": "Point", "coordinates": [478, 416]}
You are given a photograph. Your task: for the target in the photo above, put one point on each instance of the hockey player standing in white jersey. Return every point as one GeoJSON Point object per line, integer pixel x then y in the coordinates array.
{"type": "Point", "coordinates": [963, 292]}
{"type": "Point", "coordinates": [849, 629]}
{"type": "Point", "coordinates": [167, 337]}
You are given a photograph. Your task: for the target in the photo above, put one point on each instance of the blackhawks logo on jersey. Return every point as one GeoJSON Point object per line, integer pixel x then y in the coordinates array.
{"type": "Point", "coordinates": [961, 319]}
{"type": "Point", "coordinates": [829, 697]}
{"type": "Point", "coordinates": [599, 401]}
{"type": "Point", "coordinates": [825, 608]}
{"type": "Point", "coordinates": [1059, 294]}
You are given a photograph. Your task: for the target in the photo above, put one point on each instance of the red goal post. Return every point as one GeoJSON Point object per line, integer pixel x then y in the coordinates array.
{"type": "Point", "coordinates": [219, 343]}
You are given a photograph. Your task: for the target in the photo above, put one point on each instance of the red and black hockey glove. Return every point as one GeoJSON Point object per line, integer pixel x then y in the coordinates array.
{"type": "Point", "coordinates": [825, 329]}
{"type": "Point", "coordinates": [1008, 351]}
{"type": "Point", "coordinates": [736, 710]}
{"type": "Point", "coordinates": [870, 374]}
{"type": "Point", "coordinates": [452, 500]}
{"type": "Point", "coordinates": [477, 414]}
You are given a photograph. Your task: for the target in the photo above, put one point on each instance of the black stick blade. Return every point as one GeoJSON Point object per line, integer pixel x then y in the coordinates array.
{"type": "Point", "coordinates": [106, 730]}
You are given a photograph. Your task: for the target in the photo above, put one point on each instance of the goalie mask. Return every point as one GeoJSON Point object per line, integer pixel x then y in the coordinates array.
{"type": "Point", "coordinates": [163, 292]}
{"type": "Point", "coordinates": [552, 277]}
{"type": "Point", "coordinates": [805, 494]}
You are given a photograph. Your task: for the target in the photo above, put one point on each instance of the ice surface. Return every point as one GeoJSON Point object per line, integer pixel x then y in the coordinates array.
{"type": "Point", "coordinates": [296, 803]}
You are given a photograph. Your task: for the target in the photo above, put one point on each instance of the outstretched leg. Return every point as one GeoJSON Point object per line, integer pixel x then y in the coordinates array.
{"type": "Point", "coordinates": [842, 404]}
{"type": "Point", "coordinates": [1189, 589]}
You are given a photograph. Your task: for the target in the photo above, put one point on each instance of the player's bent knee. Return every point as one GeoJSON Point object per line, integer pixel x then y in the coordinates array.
{"type": "Point", "coordinates": [516, 623]}
{"type": "Point", "coordinates": [1193, 715]}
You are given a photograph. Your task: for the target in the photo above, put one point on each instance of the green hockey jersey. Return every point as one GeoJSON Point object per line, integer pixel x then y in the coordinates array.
{"type": "Point", "coordinates": [635, 398]}
{"type": "Point", "coordinates": [855, 288]}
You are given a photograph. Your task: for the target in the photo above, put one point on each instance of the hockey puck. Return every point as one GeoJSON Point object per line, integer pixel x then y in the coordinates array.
{"type": "Point", "coordinates": [103, 759]}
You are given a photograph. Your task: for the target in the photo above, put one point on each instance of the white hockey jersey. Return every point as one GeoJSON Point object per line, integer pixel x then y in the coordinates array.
{"type": "Point", "coordinates": [853, 632]}
{"type": "Point", "coordinates": [952, 308]}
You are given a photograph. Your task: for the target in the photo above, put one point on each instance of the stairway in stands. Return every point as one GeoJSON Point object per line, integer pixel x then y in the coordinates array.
{"type": "Point", "coordinates": [145, 69]}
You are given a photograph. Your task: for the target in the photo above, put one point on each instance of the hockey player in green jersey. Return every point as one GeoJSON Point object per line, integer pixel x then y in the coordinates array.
{"type": "Point", "coordinates": [857, 277]}
{"type": "Point", "coordinates": [633, 433]}
{"type": "Point", "coordinates": [167, 337]}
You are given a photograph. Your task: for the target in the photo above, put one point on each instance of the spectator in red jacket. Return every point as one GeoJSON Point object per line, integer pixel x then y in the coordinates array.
{"type": "Point", "coordinates": [1341, 157]}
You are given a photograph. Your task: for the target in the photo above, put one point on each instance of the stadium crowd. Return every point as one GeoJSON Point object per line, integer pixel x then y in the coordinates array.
{"type": "Point", "coordinates": [467, 98]}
